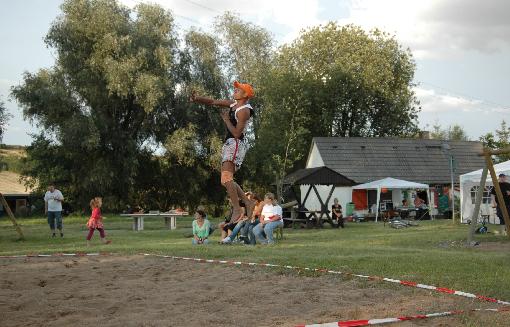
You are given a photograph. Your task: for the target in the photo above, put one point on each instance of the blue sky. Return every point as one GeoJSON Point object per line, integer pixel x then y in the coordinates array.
{"type": "Point", "coordinates": [461, 47]}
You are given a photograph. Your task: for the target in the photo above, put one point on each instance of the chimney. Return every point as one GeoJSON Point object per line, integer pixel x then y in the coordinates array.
{"type": "Point", "coordinates": [425, 135]}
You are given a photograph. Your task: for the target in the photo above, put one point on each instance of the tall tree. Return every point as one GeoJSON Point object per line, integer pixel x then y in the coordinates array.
{"type": "Point", "coordinates": [110, 92]}
{"type": "Point", "coordinates": [453, 132]}
{"type": "Point", "coordinates": [498, 140]}
{"type": "Point", "coordinates": [4, 118]}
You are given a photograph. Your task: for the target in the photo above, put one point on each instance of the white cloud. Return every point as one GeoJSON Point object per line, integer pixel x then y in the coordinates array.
{"type": "Point", "coordinates": [474, 116]}
{"type": "Point", "coordinates": [434, 102]}
{"type": "Point", "coordinates": [431, 28]}
{"type": "Point", "coordinates": [291, 16]}
{"type": "Point", "coordinates": [434, 28]}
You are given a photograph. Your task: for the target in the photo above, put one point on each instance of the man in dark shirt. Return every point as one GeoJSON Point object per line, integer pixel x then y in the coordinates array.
{"type": "Point", "coordinates": [505, 190]}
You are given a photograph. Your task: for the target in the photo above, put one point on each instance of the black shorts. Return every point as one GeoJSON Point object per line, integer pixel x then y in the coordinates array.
{"type": "Point", "coordinates": [229, 226]}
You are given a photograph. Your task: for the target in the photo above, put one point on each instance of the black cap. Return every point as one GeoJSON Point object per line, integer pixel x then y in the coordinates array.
{"type": "Point", "coordinates": [502, 175]}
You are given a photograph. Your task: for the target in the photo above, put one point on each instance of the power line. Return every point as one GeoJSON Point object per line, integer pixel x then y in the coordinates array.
{"type": "Point", "coordinates": [205, 7]}
{"type": "Point", "coordinates": [448, 91]}
{"type": "Point", "coordinates": [219, 12]}
{"type": "Point", "coordinates": [190, 19]}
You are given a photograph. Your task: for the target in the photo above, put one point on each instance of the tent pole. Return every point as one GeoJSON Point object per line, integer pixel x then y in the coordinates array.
{"type": "Point", "coordinates": [476, 211]}
{"type": "Point", "coordinates": [429, 204]}
{"type": "Point", "coordinates": [377, 203]}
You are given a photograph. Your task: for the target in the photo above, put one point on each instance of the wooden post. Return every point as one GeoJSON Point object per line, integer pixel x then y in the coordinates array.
{"type": "Point", "coordinates": [478, 202]}
{"type": "Point", "coordinates": [501, 200]}
{"type": "Point", "coordinates": [11, 216]}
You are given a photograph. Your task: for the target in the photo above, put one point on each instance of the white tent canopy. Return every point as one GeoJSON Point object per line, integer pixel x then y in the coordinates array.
{"type": "Point", "coordinates": [475, 176]}
{"type": "Point", "coordinates": [390, 183]}
{"type": "Point", "coordinates": [469, 181]}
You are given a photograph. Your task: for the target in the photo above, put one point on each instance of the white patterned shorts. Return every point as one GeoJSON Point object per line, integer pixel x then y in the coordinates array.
{"type": "Point", "coordinates": [234, 151]}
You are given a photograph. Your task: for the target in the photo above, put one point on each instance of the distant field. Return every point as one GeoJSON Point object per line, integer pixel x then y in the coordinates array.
{"type": "Point", "coordinates": [11, 157]}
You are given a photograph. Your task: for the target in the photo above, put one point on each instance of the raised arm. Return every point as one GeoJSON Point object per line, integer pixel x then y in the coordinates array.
{"type": "Point", "coordinates": [209, 101]}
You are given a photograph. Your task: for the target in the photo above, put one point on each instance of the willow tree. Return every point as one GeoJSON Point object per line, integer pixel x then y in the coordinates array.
{"type": "Point", "coordinates": [111, 90]}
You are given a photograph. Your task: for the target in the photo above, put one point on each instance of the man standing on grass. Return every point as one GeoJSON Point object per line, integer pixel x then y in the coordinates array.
{"type": "Point", "coordinates": [235, 114]}
{"type": "Point", "coordinates": [505, 190]}
{"type": "Point", "coordinates": [53, 208]}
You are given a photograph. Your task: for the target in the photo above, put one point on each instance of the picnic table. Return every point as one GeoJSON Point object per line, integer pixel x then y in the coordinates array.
{"type": "Point", "coordinates": [312, 217]}
{"type": "Point", "coordinates": [405, 212]}
{"type": "Point", "coordinates": [170, 218]}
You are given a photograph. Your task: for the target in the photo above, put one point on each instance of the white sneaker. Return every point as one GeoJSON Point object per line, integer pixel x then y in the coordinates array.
{"type": "Point", "coordinates": [226, 240]}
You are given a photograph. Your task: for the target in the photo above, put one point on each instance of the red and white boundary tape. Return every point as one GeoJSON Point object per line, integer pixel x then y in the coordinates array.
{"type": "Point", "coordinates": [390, 280]}
{"type": "Point", "coordinates": [358, 323]}
{"type": "Point", "coordinates": [347, 323]}
{"type": "Point", "coordinates": [78, 254]}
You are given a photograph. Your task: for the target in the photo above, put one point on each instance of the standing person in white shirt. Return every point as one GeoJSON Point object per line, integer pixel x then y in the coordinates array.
{"type": "Point", "coordinates": [270, 218]}
{"type": "Point", "coordinates": [53, 208]}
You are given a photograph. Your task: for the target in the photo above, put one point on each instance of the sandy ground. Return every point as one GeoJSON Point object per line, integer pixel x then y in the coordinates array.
{"type": "Point", "coordinates": [151, 291]}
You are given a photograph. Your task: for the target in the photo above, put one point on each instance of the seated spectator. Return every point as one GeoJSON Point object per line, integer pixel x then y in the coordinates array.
{"type": "Point", "coordinates": [211, 226]}
{"type": "Point", "coordinates": [247, 231]}
{"type": "Point", "coordinates": [244, 221]}
{"type": "Point", "coordinates": [227, 226]}
{"type": "Point", "coordinates": [270, 218]}
{"type": "Point", "coordinates": [419, 202]}
{"type": "Point", "coordinates": [200, 229]}
{"type": "Point", "coordinates": [405, 203]}
{"type": "Point", "coordinates": [336, 211]}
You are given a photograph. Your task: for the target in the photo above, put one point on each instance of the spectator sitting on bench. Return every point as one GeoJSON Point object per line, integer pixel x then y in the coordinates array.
{"type": "Point", "coordinates": [270, 219]}
{"type": "Point", "coordinates": [336, 211]}
{"type": "Point", "coordinates": [247, 231]}
{"type": "Point", "coordinates": [227, 226]}
{"type": "Point", "coordinates": [244, 223]}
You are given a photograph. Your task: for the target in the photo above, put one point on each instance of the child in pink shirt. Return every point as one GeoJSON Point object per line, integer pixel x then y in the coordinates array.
{"type": "Point", "coordinates": [96, 221]}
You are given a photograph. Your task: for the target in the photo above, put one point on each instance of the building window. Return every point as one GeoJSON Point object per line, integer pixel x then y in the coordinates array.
{"type": "Point", "coordinates": [486, 198]}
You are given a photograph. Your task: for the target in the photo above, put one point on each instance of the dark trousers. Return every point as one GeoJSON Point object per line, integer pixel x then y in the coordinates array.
{"type": "Point", "coordinates": [55, 218]}
{"type": "Point", "coordinates": [500, 214]}
{"type": "Point", "coordinates": [248, 233]}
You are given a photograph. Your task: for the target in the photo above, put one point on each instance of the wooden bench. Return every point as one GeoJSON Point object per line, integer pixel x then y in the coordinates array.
{"type": "Point", "coordinates": [296, 220]}
{"type": "Point", "coordinates": [170, 218]}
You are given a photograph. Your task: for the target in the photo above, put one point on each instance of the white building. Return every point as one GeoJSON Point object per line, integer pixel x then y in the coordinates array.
{"type": "Point", "coordinates": [367, 159]}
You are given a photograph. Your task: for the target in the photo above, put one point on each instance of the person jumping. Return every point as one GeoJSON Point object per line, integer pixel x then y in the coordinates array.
{"type": "Point", "coordinates": [235, 113]}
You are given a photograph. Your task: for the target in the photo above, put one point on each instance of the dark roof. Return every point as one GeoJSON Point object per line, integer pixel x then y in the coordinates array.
{"type": "Point", "coordinates": [317, 176]}
{"type": "Point", "coordinates": [419, 160]}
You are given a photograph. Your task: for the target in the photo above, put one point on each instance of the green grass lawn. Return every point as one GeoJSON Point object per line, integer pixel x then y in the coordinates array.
{"type": "Point", "coordinates": [424, 254]}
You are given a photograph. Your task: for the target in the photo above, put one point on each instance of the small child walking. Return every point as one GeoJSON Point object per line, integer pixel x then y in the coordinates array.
{"type": "Point", "coordinates": [96, 221]}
